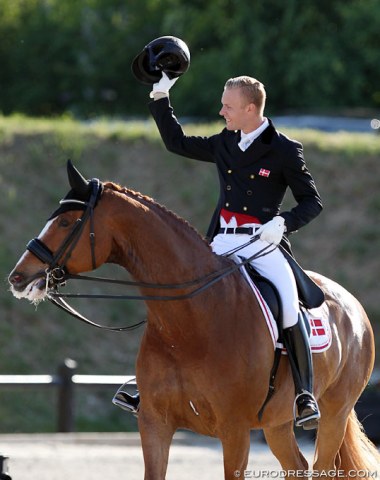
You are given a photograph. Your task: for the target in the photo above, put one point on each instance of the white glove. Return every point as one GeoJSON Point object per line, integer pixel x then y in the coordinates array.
{"type": "Point", "coordinates": [273, 230]}
{"type": "Point", "coordinates": [163, 86]}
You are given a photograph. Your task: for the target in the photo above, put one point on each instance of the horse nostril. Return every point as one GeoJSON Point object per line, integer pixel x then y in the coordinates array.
{"type": "Point", "coordinates": [15, 278]}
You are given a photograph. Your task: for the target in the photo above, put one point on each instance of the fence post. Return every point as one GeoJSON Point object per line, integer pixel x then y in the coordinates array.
{"type": "Point", "coordinates": [4, 468]}
{"type": "Point", "coordinates": [66, 395]}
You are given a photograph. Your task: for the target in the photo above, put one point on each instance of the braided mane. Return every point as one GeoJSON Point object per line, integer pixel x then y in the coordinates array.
{"type": "Point", "coordinates": [152, 203]}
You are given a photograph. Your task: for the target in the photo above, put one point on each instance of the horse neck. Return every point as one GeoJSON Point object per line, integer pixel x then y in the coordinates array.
{"type": "Point", "coordinates": [155, 245]}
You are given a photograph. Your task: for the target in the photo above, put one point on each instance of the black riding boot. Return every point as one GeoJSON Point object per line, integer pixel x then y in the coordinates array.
{"type": "Point", "coordinates": [124, 400]}
{"type": "Point", "coordinates": [297, 344]}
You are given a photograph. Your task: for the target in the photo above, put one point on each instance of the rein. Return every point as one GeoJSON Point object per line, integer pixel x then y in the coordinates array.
{"type": "Point", "coordinates": [57, 276]}
{"type": "Point", "coordinates": [210, 279]}
{"type": "Point", "coordinates": [57, 298]}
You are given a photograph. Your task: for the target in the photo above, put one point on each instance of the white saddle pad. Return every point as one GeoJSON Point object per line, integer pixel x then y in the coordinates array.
{"type": "Point", "coordinates": [320, 336]}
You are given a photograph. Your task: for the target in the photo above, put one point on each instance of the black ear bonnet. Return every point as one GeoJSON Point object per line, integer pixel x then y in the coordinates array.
{"type": "Point", "coordinates": [82, 190]}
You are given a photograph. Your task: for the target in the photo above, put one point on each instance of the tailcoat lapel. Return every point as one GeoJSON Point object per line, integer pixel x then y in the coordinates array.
{"type": "Point", "coordinates": [258, 147]}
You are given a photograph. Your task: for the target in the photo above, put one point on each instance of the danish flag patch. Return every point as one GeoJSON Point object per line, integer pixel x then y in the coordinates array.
{"type": "Point", "coordinates": [264, 173]}
{"type": "Point", "coordinates": [317, 327]}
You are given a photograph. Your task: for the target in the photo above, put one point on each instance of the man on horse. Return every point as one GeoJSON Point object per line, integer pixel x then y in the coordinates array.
{"type": "Point", "coordinates": [256, 164]}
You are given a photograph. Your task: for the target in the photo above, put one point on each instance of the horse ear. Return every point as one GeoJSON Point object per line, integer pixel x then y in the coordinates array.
{"type": "Point", "coordinates": [77, 182]}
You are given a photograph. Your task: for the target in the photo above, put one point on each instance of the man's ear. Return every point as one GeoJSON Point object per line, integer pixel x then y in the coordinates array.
{"type": "Point", "coordinates": [251, 107]}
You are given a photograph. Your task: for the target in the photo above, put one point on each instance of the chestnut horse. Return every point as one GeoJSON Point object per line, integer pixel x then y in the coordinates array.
{"type": "Point", "coordinates": [204, 362]}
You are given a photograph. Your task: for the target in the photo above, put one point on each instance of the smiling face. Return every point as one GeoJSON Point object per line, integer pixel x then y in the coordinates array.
{"type": "Point", "coordinates": [238, 113]}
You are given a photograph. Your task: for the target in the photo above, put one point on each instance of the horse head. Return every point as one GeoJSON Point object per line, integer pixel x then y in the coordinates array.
{"type": "Point", "coordinates": [62, 246]}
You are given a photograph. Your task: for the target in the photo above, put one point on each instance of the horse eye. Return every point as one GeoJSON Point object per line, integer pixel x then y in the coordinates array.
{"type": "Point", "coordinates": [63, 222]}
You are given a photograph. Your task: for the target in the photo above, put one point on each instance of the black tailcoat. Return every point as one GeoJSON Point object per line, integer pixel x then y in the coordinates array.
{"type": "Point", "coordinates": [253, 182]}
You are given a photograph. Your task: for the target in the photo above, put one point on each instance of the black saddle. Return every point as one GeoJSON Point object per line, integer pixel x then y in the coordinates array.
{"type": "Point", "coordinates": [267, 290]}
{"type": "Point", "coordinates": [309, 293]}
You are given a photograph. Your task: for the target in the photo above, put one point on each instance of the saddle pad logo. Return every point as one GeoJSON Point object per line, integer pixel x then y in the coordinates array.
{"type": "Point", "coordinates": [321, 335]}
{"type": "Point", "coordinates": [317, 327]}
{"type": "Point", "coordinates": [264, 173]}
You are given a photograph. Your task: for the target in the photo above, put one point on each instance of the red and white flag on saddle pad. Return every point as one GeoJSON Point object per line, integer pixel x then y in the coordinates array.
{"type": "Point", "coordinates": [317, 327]}
{"type": "Point", "coordinates": [264, 173]}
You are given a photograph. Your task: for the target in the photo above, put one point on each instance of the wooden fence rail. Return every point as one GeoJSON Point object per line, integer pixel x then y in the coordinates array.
{"type": "Point", "coordinates": [66, 380]}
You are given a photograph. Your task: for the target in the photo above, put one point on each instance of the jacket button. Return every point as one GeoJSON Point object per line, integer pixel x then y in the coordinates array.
{"type": "Point", "coordinates": [249, 192]}
{"type": "Point", "coordinates": [252, 176]}
{"type": "Point", "coordinates": [228, 187]}
{"type": "Point", "coordinates": [229, 171]}
{"type": "Point", "coordinates": [227, 204]}
{"type": "Point", "coordinates": [245, 208]}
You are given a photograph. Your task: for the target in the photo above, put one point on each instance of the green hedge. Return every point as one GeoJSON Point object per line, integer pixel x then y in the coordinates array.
{"type": "Point", "coordinates": [75, 55]}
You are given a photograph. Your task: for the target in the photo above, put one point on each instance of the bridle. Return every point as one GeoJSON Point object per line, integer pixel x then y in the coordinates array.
{"type": "Point", "coordinates": [57, 274]}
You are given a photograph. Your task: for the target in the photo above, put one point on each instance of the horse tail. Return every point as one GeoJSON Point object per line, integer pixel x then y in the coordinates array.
{"type": "Point", "coordinates": [357, 452]}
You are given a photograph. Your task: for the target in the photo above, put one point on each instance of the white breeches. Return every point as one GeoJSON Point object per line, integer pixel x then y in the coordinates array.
{"type": "Point", "coordinates": [273, 266]}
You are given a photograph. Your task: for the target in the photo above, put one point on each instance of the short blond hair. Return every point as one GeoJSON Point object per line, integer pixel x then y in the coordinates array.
{"type": "Point", "coordinates": [252, 90]}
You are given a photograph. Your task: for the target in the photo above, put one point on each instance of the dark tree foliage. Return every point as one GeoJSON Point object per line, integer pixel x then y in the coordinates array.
{"type": "Point", "coordinates": [74, 55]}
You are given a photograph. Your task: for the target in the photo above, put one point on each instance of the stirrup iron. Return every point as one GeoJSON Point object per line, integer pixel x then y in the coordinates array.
{"type": "Point", "coordinates": [311, 420]}
{"type": "Point", "coordinates": [129, 403]}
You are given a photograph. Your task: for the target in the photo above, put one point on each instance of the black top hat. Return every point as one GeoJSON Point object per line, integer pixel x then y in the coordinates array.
{"type": "Point", "coordinates": [164, 54]}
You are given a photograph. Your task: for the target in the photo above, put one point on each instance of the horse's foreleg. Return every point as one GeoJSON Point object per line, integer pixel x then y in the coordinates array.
{"type": "Point", "coordinates": [156, 438]}
{"type": "Point", "coordinates": [235, 452]}
{"type": "Point", "coordinates": [282, 442]}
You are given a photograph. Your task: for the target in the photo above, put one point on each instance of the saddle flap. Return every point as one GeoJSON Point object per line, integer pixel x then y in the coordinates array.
{"type": "Point", "coordinates": [310, 294]}
{"type": "Point", "coordinates": [268, 291]}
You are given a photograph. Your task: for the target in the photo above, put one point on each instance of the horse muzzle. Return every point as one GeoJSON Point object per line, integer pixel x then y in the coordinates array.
{"type": "Point", "coordinates": [33, 288]}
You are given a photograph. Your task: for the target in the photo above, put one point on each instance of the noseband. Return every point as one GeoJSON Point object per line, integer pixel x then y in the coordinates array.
{"type": "Point", "coordinates": [56, 262]}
